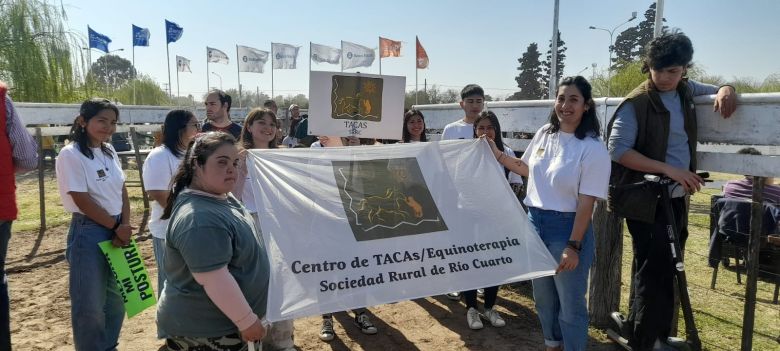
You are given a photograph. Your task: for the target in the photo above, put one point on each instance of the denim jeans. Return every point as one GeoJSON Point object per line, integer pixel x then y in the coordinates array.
{"type": "Point", "coordinates": [97, 308]}
{"type": "Point", "coordinates": [560, 299]}
{"type": "Point", "coordinates": [5, 305]}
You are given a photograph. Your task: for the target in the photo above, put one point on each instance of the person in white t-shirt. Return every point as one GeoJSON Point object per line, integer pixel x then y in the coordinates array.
{"type": "Point", "coordinates": [92, 187]}
{"type": "Point", "coordinates": [159, 168]}
{"type": "Point", "coordinates": [472, 101]}
{"type": "Point", "coordinates": [568, 168]}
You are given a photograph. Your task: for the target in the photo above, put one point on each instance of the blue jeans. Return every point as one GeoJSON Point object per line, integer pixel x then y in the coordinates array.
{"type": "Point", "coordinates": [97, 308]}
{"type": "Point", "coordinates": [5, 305]}
{"type": "Point", "coordinates": [560, 299]}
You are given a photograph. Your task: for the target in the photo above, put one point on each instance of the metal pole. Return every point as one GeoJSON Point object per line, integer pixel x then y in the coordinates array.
{"type": "Point", "coordinates": [554, 56]}
{"type": "Point", "coordinates": [208, 85]}
{"type": "Point", "coordinates": [342, 56]}
{"type": "Point", "coordinates": [416, 92]}
{"type": "Point", "coordinates": [756, 219]}
{"type": "Point", "coordinates": [380, 56]}
{"type": "Point", "coordinates": [41, 189]}
{"type": "Point", "coordinates": [272, 71]}
{"type": "Point", "coordinates": [168, 63]}
{"type": "Point", "coordinates": [134, 102]}
{"type": "Point", "coordinates": [238, 69]}
{"type": "Point", "coordinates": [609, 67]}
{"type": "Point", "coordinates": [659, 18]}
{"type": "Point", "coordinates": [178, 92]}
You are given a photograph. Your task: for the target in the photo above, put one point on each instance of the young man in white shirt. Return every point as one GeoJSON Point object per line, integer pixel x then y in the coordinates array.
{"type": "Point", "coordinates": [472, 101]}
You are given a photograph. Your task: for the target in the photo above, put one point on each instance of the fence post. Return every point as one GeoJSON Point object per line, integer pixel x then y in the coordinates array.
{"type": "Point", "coordinates": [41, 191]}
{"type": "Point", "coordinates": [605, 274]}
{"type": "Point", "coordinates": [756, 217]}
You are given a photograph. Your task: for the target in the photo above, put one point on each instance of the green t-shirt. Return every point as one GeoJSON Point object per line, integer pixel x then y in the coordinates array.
{"type": "Point", "coordinates": [205, 234]}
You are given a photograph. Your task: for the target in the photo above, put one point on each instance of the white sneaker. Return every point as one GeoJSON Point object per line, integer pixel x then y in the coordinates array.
{"type": "Point", "coordinates": [327, 333]}
{"type": "Point", "coordinates": [494, 318]}
{"type": "Point", "coordinates": [455, 296]}
{"type": "Point", "coordinates": [472, 318]}
{"type": "Point", "coordinates": [481, 292]}
{"type": "Point", "coordinates": [364, 323]}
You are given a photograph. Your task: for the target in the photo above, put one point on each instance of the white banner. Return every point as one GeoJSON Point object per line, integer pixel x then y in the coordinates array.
{"type": "Point", "coordinates": [251, 59]}
{"type": "Point", "coordinates": [350, 227]}
{"type": "Point", "coordinates": [354, 55]}
{"type": "Point", "coordinates": [285, 55]}
{"type": "Point", "coordinates": [183, 64]}
{"type": "Point", "coordinates": [217, 56]}
{"type": "Point", "coordinates": [351, 104]}
{"type": "Point", "coordinates": [326, 54]}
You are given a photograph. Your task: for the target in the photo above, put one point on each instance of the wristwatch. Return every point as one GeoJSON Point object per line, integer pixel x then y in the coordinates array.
{"type": "Point", "coordinates": [576, 245]}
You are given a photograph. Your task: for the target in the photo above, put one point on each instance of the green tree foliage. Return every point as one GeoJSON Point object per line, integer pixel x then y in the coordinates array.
{"type": "Point", "coordinates": [147, 92]}
{"type": "Point", "coordinates": [623, 81]}
{"type": "Point", "coordinates": [35, 55]}
{"type": "Point", "coordinates": [530, 78]}
{"type": "Point", "coordinates": [630, 43]}
{"type": "Point", "coordinates": [284, 101]}
{"type": "Point", "coordinates": [432, 95]}
{"type": "Point", "coordinates": [111, 71]}
{"type": "Point", "coordinates": [547, 63]}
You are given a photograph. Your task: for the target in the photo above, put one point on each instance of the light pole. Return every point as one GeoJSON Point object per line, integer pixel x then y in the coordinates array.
{"type": "Point", "coordinates": [582, 70]}
{"type": "Point", "coordinates": [220, 79]}
{"type": "Point", "coordinates": [593, 74]}
{"type": "Point", "coordinates": [612, 48]}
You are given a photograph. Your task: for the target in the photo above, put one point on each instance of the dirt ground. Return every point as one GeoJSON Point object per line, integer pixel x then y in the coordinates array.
{"type": "Point", "coordinates": [40, 312]}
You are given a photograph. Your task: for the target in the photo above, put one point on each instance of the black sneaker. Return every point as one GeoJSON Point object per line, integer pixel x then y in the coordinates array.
{"type": "Point", "coordinates": [327, 333]}
{"type": "Point", "coordinates": [365, 325]}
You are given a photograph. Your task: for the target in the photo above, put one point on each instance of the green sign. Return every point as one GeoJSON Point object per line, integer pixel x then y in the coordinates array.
{"type": "Point", "coordinates": [131, 277]}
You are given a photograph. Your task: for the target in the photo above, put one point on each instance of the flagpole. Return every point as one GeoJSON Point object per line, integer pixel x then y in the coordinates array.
{"type": "Point", "coordinates": [208, 85]}
{"type": "Point", "coordinates": [238, 69]}
{"type": "Point", "coordinates": [272, 71]}
{"type": "Point", "coordinates": [416, 91]}
{"type": "Point", "coordinates": [309, 59]}
{"type": "Point", "coordinates": [342, 56]}
{"type": "Point", "coordinates": [380, 56]}
{"type": "Point", "coordinates": [134, 103]}
{"type": "Point", "coordinates": [178, 92]}
{"type": "Point", "coordinates": [168, 63]}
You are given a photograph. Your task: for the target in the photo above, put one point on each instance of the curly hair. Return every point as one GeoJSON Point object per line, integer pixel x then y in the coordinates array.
{"type": "Point", "coordinates": [671, 48]}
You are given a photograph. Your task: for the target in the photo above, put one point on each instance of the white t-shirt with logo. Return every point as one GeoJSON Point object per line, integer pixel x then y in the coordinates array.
{"type": "Point", "coordinates": [159, 168]}
{"type": "Point", "coordinates": [101, 177]}
{"type": "Point", "coordinates": [561, 167]}
{"type": "Point", "coordinates": [458, 130]}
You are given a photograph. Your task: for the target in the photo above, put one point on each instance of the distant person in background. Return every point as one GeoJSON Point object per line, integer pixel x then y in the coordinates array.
{"type": "Point", "coordinates": [159, 168]}
{"type": "Point", "coordinates": [18, 153]}
{"type": "Point", "coordinates": [743, 188]}
{"type": "Point", "coordinates": [414, 127]}
{"type": "Point", "coordinates": [295, 118]}
{"type": "Point", "coordinates": [218, 114]}
{"type": "Point", "coordinates": [92, 187]}
{"type": "Point", "coordinates": [271, 105]}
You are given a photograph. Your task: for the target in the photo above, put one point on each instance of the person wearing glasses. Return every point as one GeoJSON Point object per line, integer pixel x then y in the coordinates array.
{"type": "Point", "coordinates": [159, 168]}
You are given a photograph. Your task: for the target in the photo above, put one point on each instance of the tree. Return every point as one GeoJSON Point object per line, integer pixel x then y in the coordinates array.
{"type": "Point", "coordinates": [111, 71]}
{"type": "Point", "coordinates": [530, 78]}
{"type": "Point", "coordinates": [432, 95]}
{"type": "Point", "coordinates": [546, 65]}
{"type": "Point", "coordinates": [630, 43]}
{"type": "Point", "coordinates": [147, 92]}
{"type": "Point", "coordinates": [35, 56]}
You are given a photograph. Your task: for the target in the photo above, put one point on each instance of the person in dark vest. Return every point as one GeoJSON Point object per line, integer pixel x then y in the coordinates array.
{"type": "Point", "coordinates": [18, 153]}
{"type": "Point", "coordinates": [654, 131]}
{"type": "Point", "coordinates": [218, 114]}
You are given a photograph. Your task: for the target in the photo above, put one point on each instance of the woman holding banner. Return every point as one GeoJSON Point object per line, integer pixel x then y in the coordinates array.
{"type": "Point", "coordinates": [414, 127]}
{"type": "Point", "coordinates": [568, 168]}
{"type": "Point", "coordinates": [92, 187]}
{"type": "Point", "coordinates": [217, 269]}
{"type": "Point", "coordinates": [258, 132]}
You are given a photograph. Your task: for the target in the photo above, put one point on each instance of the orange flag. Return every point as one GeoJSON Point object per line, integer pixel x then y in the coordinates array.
{"type": "Point", "coordinates": [389, 48]}
{"type": "Point", "coordinates": [422, 56]}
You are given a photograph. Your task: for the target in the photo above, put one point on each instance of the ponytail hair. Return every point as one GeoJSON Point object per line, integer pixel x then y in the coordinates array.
{"type": "Point", "coordinates": [198, 151]}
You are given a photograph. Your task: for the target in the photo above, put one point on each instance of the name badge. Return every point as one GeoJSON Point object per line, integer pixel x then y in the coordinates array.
{"type": "Point", "coordinates": [101, 173]}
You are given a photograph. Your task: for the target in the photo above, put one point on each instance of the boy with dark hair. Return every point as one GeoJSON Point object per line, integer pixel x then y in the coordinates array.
{"type": "Point", "coordinates": [654, 131]}
{"type": "Point", "coordinates": [472, 101]}
{"type": "Point", "coordinates": [218, 114]}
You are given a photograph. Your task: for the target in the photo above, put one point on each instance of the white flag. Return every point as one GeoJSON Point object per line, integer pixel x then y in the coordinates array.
{"type": "Point", "coordinates": [251, 59]}
{"type": "Point", "coordinates": [217, 56]}
{"type": "Point", "coordinates": [182, 64]}
{"type": "Point", "coordinates": [284, 55]}
{"type": "Point", "coordinates": [354, 55]}
{"type": "Point", "coordinates": [393, 223]}
{"type": "Point", "coordinates": [323, 53]}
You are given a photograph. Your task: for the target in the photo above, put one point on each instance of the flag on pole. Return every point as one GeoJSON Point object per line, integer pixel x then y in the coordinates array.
{"type": "Point", "coordinates": [285, 55]}
{"type": "Point", "coordinates": [140, 36]}
{"type": "Point", "coordinates": [183, 64]}
{"type": "Point", "coordinates": [422, 56]}
{"type": "Point", "coordinates": [327, 54]}
{"type": "Point", "coordinates": [217, 56]}
{"type": "Point", "coordinates": [389, 48]}
{"type": "Point", "coordinates": [98, 41]}
{"type": "Point", "coordinates": [251, 59]}
{"type": "Point", "coordinates": [354, 55]}
{"type": "Point", "coordinates": [172, 31]}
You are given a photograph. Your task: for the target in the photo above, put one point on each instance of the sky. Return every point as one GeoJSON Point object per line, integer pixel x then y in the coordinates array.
{"type": "Point", "coordinates": [466, 41]}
